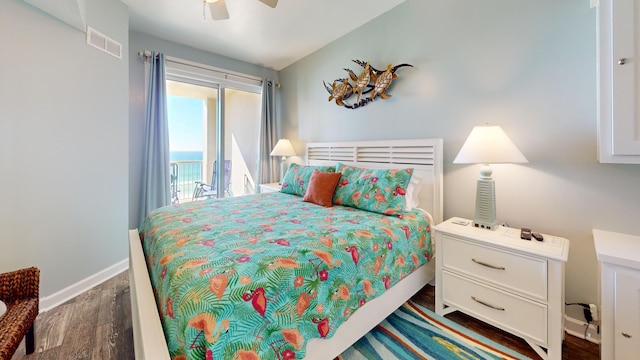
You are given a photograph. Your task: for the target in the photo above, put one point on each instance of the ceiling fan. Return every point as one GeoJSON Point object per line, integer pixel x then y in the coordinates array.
{"type": "Point", "coordinates": [219, 9]}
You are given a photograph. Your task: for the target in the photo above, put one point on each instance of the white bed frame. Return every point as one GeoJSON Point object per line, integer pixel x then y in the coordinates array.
{"type": "Point", "coordinates": [424, 155]}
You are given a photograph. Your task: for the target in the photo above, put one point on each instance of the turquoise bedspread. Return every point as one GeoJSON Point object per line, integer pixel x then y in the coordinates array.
{"type": "Point", "coordinates": [256, 277]}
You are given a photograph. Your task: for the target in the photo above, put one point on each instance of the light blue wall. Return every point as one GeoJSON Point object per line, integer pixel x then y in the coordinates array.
{"type": "Point", "coordinates": [529, 66]}
{"type": "Point", "coordinates": [63, 144]}
{"type": "Point", "coordinates": [140, 42]}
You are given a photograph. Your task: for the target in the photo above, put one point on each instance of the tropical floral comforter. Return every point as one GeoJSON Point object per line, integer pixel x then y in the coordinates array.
{"type": "Point", "coordinates": [256, 277]}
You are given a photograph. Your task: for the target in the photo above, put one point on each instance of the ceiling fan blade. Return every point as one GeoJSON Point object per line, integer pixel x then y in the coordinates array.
{"type": "Point", "coordinates": [271, 3]}
{"type": "Point", "coordinates": [218, 10]}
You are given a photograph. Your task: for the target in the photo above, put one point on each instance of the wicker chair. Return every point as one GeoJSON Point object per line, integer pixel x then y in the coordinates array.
{"type": "Point", "coordinates": [19, 290]}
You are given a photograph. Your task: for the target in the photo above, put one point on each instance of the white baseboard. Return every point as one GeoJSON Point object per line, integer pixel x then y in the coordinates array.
{"type": "Point", "coordinates": [49, 302]}
{"type": "Point", "coordinates": [577, 327]}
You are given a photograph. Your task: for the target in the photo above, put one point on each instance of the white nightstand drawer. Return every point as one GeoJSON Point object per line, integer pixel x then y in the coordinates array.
{"type": "Point", "coordinates": [509, 312]}
{"type": "Point", "coordinates": [512, 272]}
{"type": "Point", "coordinates": [270, 187]}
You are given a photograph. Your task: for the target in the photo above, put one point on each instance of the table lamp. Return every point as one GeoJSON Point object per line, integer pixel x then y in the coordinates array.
{"type": "Point", "coordinates": [283, 148]}
{"type": "Point", "coordinates": [487, 144]}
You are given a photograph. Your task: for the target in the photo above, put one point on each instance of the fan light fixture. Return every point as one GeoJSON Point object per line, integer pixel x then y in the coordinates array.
{"type": "Point", "coordinates": [488, 145]}
{"type": "Point", "coordinates": [219, 11]}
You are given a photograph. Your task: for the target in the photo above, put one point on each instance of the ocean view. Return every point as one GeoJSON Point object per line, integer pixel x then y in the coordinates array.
{"type": "Point", "coordinates": [186, 155]}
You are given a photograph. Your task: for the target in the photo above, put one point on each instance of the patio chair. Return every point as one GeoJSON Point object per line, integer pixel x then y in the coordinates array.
{"type": "Point", "coordinates": [19, 290]}
{"type": "Point", "coordinates": [210, 190]}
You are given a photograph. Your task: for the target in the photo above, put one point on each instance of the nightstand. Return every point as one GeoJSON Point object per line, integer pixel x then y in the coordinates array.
{"type": "Point", "coordinates": [270, 187]}
{"type": "Point", "coordinates": [493, 275]}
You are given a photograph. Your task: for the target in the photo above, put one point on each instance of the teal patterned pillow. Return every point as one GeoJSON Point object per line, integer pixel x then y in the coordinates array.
{"type": "Point", "coordinates": [377, 190]}
{"type": "Point", "coordinates": [296, 180]}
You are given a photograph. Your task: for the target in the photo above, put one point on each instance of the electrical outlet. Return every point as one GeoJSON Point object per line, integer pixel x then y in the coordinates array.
{"type": "Point", "coordinates": [593, 308]}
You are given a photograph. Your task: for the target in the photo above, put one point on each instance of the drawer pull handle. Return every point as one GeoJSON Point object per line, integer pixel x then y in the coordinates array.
{"type": "Point", "coordinates": [487, 304]}
{"type": "Point", "coordinates": [626, 335]}
{"type": "Point", "coordinates": [488, 265]}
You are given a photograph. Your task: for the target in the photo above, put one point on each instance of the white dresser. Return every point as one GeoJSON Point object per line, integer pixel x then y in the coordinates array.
{"type": "Point", "coordinates": [516, 285]}
{"type": "Point", "coordinates": [619, 256]}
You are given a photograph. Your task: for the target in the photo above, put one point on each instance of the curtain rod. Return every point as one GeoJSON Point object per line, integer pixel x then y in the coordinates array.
{"type": "Point", "coordinates": [146, 54]}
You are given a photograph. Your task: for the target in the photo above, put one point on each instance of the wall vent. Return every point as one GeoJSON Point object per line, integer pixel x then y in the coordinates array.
{"type": "Point", "coordinates": [103, 42]}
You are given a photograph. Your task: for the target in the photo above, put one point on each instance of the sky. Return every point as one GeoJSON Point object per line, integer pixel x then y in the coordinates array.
{"type": "Point", "coordinates": [185, 123]}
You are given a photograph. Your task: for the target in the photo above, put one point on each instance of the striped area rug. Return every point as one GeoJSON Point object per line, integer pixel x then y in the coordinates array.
{"type": "Point", "coordinates": [414, 332]}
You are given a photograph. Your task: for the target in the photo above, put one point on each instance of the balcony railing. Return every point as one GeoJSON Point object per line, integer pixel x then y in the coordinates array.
{"type": "Point", "coordinates": [184, 174]}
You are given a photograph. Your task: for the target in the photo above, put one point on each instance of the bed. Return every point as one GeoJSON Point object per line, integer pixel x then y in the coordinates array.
{"type": "Point", "coordinates": [373, 303]}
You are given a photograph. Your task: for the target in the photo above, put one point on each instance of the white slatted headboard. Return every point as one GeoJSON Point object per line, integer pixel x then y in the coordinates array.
{"type": "Point", "coordinates": [423, 155]}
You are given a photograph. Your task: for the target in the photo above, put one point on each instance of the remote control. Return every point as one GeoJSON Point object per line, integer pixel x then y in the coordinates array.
{"type": "Point", "coordinates": [525, 234]}
{"type": "Point", "coordinates": [537, 236]}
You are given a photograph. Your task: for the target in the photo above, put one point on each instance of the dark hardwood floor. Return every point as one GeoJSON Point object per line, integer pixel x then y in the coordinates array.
{"type": "Point", "coordinates": [97, 325]}
{"type": "Point", "coordinates": [94, 325]}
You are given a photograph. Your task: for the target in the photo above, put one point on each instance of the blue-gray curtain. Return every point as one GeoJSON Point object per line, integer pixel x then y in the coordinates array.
{"type": "Point", "coordinates": [155, 190]}
{"type": "Point", "coordinates": [268, 166]}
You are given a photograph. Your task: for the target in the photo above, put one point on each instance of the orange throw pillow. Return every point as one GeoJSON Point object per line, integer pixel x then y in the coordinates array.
{"type": "Point", "coordinates": [321, 188]}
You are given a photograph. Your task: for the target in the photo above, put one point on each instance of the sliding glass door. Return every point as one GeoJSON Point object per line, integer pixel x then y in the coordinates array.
{"type": "Point", "coordinates": [241, 133]}
{"type": "Point", "coordinates": [213, 129]}
{"type": "Point", "coordinates": [189, 109]}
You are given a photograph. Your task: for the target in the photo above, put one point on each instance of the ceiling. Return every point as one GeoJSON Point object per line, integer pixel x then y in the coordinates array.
{"type": "Point", "coordinates": [255, 33]}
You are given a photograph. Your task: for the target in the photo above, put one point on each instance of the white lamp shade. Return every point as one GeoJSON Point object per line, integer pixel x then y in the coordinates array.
{"type": "Point", "coordinates": [283, 148]}
{"type": "Point", "coordinates": [489, 144]}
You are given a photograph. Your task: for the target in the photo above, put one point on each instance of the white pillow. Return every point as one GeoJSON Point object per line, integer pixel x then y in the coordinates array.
{"type": "Point", "coordinates": [413, 190]}
{"type": "Point", "coordinates": [3, 308]}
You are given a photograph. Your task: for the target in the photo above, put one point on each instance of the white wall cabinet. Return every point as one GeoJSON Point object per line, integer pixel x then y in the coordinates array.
{"type": "Point", "coordinates": [619, 256]}
{"type": "Point", "coordinates": [618, 32]}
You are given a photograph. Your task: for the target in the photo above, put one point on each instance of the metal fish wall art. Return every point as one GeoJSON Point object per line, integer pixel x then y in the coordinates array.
{"type": "Point", "coordinates": [371, 81]}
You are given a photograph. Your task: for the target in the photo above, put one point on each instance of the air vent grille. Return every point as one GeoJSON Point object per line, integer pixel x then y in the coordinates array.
{"type": "Point", "coordinates": [103, 42]}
